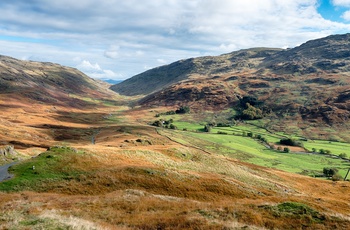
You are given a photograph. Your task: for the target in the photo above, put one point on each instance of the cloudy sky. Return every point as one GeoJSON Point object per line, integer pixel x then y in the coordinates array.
{"type": "Point", "coordinates": [116, 39]}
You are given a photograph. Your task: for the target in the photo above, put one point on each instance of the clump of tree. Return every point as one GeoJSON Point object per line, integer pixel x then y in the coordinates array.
{"type": "Point", "coordinates": [180, 110]}
{"type": "Point", "coordinates": [332, 173]}
{"type": "Point", "coordinates": [171, 112]}
{"type": "Point", "coordinates": [291, 142]}
{"type": "Point", "coordinates": [252, 113]}
{"type": "Point", "coordinates": [183, 110]}
{"type": "Point", "coordinates": [253, 101]}
{"type": "Point", "coordinates": [250, 108]}
{"type": "Point", "coordinates": [164, 123]}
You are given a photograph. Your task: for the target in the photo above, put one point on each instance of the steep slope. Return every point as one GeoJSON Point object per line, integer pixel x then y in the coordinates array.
{"type": "Point", "coordinates": [155, 79]}
{"type": "Point", "coordinates": [46, 82]}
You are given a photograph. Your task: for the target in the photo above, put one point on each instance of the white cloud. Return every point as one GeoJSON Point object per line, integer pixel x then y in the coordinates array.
{"type": "Point", "coordinates": [162, 61]}
{"type": "Point", "coordinates": [95, 71]}
{"type": "Point", "coordinates": [112, 52]}
{"type": "Point", "coordinates": [123, 37]}
{"type": "Point", "coordinates": [346, 15]}
{"type": "Point", "coordinates": [345, 3]}
{"type": "Point", "coordinates": [88, 67]}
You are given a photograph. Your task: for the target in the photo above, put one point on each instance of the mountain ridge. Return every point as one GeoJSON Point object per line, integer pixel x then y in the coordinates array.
{"type": "Point", "coordinates": [309, 81]}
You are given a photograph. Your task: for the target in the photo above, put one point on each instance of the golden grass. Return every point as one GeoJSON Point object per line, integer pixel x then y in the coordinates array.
{"type": "Point", "coordinates": [162, 185]}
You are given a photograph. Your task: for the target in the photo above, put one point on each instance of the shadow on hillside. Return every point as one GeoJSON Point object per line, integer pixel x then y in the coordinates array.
{"type": "Point", "coordinates": [69, 134]}
{"type": "Point", "coordinates": [81, 118]}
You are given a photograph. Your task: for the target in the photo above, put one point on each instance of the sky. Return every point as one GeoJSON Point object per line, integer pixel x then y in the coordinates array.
{"type": "Point", "coordinates": [117, 39]}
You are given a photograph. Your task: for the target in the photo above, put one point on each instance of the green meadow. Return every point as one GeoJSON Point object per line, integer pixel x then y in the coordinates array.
{"type": "Point", "coordinates": [233, 142]}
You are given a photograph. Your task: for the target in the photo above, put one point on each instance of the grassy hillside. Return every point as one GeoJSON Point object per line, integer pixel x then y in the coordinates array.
{"type": "Point", "coordinates": [135, 176]}
{"type": "Point", "coordinates": [95, 162]}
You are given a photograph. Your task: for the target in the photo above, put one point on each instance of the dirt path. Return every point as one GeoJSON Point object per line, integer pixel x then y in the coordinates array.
{"type": "Point", "coordinates": [4, 175]}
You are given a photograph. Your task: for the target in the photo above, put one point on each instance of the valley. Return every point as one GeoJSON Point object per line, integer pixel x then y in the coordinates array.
{"type": "Point", "coordinates": [246, 140]}
{"type": "Point", "coordinates": [139, 176]}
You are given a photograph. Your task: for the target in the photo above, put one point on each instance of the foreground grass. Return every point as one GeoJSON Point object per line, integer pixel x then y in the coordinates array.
{"type": "Point", "coordinates": [57, 164]}
{"type": "Point", "coordinates": [163, 188]}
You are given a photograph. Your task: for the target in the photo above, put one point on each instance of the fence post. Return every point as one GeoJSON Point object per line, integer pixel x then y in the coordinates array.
{"type": "Point", "coordinates": [346, 175]}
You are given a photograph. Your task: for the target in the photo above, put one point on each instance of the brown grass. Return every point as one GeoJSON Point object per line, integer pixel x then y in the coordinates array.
{"type": "Point", "coordinates": [162, 185]}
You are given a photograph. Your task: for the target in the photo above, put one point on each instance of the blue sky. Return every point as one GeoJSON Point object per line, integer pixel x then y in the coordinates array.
{"type": "Point", "coordinates": [117, 39]}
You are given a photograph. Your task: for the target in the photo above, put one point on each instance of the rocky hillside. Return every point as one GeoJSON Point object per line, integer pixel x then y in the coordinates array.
{"type": "Point", "coordinates": [47, 83]}
{"type": "Point", "coordinates": [310, 82]}
{"type": "Point", "coordinates": [158, 78]}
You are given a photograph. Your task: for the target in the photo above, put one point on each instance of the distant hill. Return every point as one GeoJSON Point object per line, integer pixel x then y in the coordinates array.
{"type": "Point", "coordinates": [311, 81]}
{"type": "Point", "coordinates": [48, 83]}
{"type": "Point", "coordinates": [112, 81]}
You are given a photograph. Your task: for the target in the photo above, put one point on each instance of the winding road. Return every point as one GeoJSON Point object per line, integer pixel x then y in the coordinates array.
{"type": "Point", "coordinates": [4, 175]}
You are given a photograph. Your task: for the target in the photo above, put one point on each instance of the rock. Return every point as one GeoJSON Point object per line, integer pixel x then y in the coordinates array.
{"type": "Point", "coordinates": [8, 150]}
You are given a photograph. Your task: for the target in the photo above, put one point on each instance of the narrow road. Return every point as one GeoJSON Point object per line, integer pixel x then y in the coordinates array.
{"type": "Point", "coordinates": [4, 175]}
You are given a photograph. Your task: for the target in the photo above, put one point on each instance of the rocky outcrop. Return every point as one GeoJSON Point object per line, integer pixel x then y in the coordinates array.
{"type": "Point", "coordinates": [7, 151]}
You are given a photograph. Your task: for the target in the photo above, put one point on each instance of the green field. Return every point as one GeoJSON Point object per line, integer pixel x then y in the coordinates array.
{"type": "Point", "coordinates": [251, 150]}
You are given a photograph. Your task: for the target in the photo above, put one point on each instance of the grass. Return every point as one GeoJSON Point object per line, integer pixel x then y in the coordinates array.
{"type": "Point", "coordinates": [336, 148]}
{"type": "Point", "coordinates": [252, 151]}
{"type": "Point", "coordinates": [53, 166]}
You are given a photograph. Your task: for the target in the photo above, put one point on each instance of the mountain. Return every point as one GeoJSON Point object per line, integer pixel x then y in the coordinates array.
{"type": "Point", "coordinates": [112, 81]}
{"type": "Point", "coordinates": [47, 83]}
{"type": "Point", "coordinates": [309, 82]}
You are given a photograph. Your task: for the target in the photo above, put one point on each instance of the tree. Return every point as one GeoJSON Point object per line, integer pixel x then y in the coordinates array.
{"type": "Point", "coordinates": [248, 100]}
{"type": "Point", "coordinates": [183, 110]}
{"type": "Point", "coordinates": [252, 113]}
{"type": "Point", "coordinates": [207, 128]}
{"type": "Point", "coordinates": [290, 142]}
{"type": "Point", "coordinates": [329, 172]}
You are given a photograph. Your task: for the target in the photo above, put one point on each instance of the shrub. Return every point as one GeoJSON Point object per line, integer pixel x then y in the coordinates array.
{"type": "Point", "coordinates": [337, 177]}
{"type": "Point", "coordinates": [250, 134]}
{"type": "Point", "coordinates": [172, 126]}
{"type": "Point", "coordinates": [221, 132]}
{"type": "Point", "coordinates": [286, 150]}
{"type": "Point", "coordinates": [207, 128]}
{"type": "Point", "coordinates": [314, 150]}
{"type": "Point", "coordinates": [158, 123]}
{"type": "Point", "coordinates": [343, 155]}
{"type": "Point", "coordinates": [325, 151]}
{"type": "Point", "coordinates": [223, 125]}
